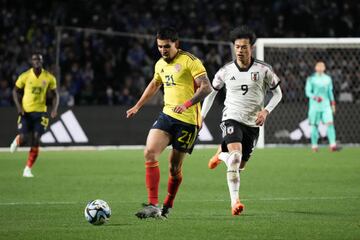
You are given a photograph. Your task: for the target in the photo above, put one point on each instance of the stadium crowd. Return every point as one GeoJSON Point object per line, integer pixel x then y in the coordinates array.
{"type": "Point", "coordinates": [113, 70]}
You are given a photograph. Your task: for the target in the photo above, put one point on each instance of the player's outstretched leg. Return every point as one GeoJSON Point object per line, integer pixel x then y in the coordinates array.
{"type": "Point", "coordinates": [15, 144]}
{"type": "Point", "coordinates": [214, 160]}
{"type": "Point", "coordinates": [149, 211]}
{"type": "Point", "coordinates": [218, 158]}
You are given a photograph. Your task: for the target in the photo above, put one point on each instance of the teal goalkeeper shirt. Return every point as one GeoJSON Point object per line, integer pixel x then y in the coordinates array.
{"type": "Point", "coordinates": [319, 85]}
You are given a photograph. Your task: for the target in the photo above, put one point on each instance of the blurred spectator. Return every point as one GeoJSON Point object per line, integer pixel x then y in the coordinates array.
{"type": "Point", "coordinates": [5, 93]}
{"type": "Point", "coordinates": [101, 69]}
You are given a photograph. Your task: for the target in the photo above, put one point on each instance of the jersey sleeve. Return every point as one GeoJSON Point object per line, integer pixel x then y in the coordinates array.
{"type": "Point", "coordinates": [157, 76]}
{"type": "Point", "coordinates": [52, 83]}
{"type": "Point", "coordinates": [196, 68]}
{"type": "Point", "coordinates": [218, 81]}
{"type": "Point", "coordinates": [309, 88]}
{"type": "Point", "coordinates": [331, 92]}
{"type": "Point", "coordinates": [271, 79]}
{"type": "Point", "coordinates": [20, 82]}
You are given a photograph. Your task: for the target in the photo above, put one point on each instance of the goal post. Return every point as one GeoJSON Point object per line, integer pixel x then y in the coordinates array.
{"type": "Point", "coordinates": [293, 60]}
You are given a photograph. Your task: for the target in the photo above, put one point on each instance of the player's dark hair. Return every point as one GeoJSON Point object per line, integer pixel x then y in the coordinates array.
{"type": "Point", "coordinates": [243, 32]}
{"type": "Point", "coordinates": [165, 33]}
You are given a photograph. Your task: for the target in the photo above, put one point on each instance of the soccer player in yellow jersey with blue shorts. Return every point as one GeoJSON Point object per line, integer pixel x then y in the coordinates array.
{"type": "Point", "coordinates": [319, 90]}
{"type": "Point", "coordinates": [185, 83]}
{"type": "Point", "coordinates": [29, 95]}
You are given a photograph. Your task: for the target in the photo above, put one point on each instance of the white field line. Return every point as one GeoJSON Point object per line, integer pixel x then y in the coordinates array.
{"type": "Point", "coordinates": [213, 200]}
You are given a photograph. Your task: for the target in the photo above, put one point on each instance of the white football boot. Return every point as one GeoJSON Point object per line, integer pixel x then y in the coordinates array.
{"type": "Point", "coordinates": [14, 145]}
{"type": "Point", "coordinates": [27, 172]}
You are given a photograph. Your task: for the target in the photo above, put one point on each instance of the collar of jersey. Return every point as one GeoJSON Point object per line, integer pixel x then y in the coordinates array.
{"type": "Point", "coordinates": [244, 69]}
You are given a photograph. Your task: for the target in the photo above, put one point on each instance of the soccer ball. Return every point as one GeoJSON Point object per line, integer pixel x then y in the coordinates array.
{"type": "Point", "coordinates": [97, 212]}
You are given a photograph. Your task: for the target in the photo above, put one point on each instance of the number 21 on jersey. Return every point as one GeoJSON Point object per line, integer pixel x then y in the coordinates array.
{"type": "Point", "coordinates": [169, 80]}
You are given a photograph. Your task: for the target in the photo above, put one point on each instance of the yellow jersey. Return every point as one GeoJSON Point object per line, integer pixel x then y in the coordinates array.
{"type": "Point", "coordinates": [177, 78]}
{"type": "Point", "coordinates": [35, 88]}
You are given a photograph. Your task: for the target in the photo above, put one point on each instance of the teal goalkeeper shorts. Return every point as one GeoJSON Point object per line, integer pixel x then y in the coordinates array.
{"type": "Point", "coordinates": [324, 116]}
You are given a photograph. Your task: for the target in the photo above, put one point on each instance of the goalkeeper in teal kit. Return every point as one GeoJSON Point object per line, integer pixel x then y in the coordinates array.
{"type": "Point", "coordinates": [319, 90]}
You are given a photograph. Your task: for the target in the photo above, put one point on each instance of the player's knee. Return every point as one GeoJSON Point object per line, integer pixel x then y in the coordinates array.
{"type": "Point", "coordinates": [149, 154]}
{"type": "Point", "coordinates": [234, 160]}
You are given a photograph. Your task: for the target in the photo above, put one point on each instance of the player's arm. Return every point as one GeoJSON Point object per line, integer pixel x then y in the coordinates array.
{"type": "Point", "coordinates": [203, 85]}
{"type": "Point", "coordinates": [274, 101]}
{"type": "Point", "coordinates": [217, 84]}
{"type": "Point", "coordinates": [149, 92]}
{"type": "Point", "coordinates": [55, 102]}
{"type": "Point", "coordinates": [331, 97]}
{"type": "Point", "coordinates": [274, 83]}
{"type": "Point", "coordinates": [17, 94]}
{"type": "Point", "coordinates": [208, 102]}
{"type": "Point", "coordinates": [308, 88]}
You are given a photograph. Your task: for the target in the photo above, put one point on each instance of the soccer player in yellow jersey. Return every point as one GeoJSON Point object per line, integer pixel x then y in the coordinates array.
{"type": "Point", "coordinates": [185, 83]}
{"type": "Point", "coordinates": [29, 95]}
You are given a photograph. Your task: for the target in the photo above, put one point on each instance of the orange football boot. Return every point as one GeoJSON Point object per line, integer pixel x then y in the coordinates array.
{"type": "Point", "coordinates": [214, 161]}
{"type": "Point", "coordinates": [237, 209]}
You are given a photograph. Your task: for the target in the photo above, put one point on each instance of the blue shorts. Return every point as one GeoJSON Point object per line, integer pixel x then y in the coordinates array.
{"type": "Point", "coordinates": [183, 134]}
{"type": "Point", "coordinates": [324, 116]}
{"type": "Point", "coordinates": [33, 122]}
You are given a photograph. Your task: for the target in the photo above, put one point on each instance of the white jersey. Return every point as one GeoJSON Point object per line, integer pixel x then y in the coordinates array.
{"type": "Point", "coordinates": [245, 89]}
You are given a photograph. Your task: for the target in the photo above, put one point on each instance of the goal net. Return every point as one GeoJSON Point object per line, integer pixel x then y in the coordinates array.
{"type": "Point", "coordinates": [293, 61]}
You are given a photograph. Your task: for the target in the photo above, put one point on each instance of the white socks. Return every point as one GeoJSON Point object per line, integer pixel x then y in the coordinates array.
{"type": "Point", "coordinates": [233, 176]}
{"type": "Point", "coordinates": [223, 156]}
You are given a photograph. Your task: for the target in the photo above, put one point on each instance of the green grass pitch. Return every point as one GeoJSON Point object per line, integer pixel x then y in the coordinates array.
{"type": "Point", "coordinates": [289, 193]}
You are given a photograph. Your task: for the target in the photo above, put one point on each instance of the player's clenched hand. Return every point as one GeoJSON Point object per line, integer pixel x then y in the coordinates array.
{"type": "Point", "coordinates": [180, 108]}
{"type": "Point", "coordinates": [21, 111]}
{"type": "Point", "coordinates": [131, 112]}
{"type": "Point", "coordinates": [53, 114]}
{"type": "Point", "coordinates": [261, 117]}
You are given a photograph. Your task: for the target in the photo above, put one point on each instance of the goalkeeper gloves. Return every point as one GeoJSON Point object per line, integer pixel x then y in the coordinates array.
{"type": "Point", "coordinates": [318, 99]}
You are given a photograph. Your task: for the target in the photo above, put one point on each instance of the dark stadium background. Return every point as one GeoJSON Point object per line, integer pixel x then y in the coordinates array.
{"type": "Point", "coordinates": [107, 74]}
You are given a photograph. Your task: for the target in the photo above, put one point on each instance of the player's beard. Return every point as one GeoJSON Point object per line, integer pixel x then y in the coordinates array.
{"type": "Point", "coordinates": [167, 57]}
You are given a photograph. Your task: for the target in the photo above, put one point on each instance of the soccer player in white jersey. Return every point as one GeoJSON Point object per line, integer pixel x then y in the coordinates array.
{"type": "Point", "coordinates": [246, 81]}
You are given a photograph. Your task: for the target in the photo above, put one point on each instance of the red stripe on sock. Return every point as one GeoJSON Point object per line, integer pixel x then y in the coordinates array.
{"type": "Point", "coordinates": [33, 153]}
{"type": "Point", "coordinates": [152, 178]}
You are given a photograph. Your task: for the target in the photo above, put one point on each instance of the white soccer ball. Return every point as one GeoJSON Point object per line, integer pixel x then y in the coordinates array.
{"type": "Point", "coordinates": [97, 212]}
